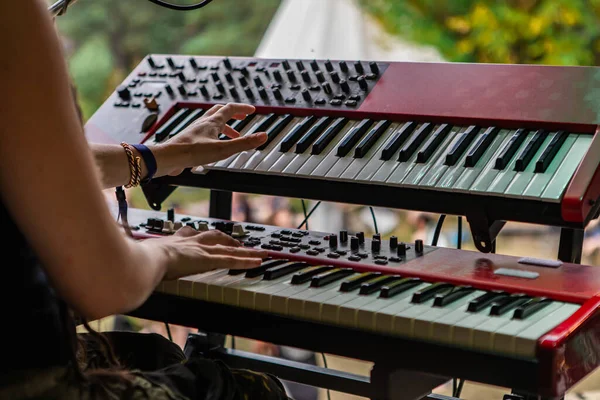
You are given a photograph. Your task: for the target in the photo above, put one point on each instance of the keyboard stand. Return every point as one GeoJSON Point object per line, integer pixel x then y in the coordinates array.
{"type": "Point", "coordinates": [385, 383]}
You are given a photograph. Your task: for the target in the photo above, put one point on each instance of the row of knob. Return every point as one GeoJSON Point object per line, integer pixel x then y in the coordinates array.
{"type": "Point", "coordinates": [359, 239]}
{"type": "Point", "coordinates": [343, 65]}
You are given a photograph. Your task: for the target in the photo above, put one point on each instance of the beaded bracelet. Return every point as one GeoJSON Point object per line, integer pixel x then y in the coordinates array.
{"type": "Point", "coordinates": [135, 167]}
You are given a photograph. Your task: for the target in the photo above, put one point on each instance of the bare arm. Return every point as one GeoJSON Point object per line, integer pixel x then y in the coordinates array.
{"type": "Point", "coordinates": [51, 187]}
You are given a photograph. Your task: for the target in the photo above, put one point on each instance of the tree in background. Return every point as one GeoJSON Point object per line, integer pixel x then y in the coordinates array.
{"type": "Point", "coordinates": [554, 32]}
{"type": "Point", "coordinates": [107, 39]}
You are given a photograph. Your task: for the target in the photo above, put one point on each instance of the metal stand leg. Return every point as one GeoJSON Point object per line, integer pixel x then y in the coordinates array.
{"type": "Point", "coordinates": [571, 245]}
{"type": "Point", "coordinates": [220, 204]}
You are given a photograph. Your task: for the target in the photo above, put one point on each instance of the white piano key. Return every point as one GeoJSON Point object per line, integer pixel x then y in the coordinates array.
{"type": "Point", "coordinates": [403, 167]}
{"type": "Point", "coordinates": [453, 173]}
{"type": "Point", "coordinates": [362, 164]}
{"type": "Point", "coordinates": [185, 285]}
{"type": "Point", "coordinates": [505, 177]}
{"type": "Point", "coordinates": [319, 308]}
{"type": "Point", "coordinates": [489, 172]}
{"type": "Point", "coordinates": [483, 333]}
{"type": "Point", "coordinates": [283, 161]}
{"type": "Point", "coordinates": [564, 174]}
{"type": "Point", "coordinates": [504, 337]}
{"type": "Point", "coordinates": [261, 155]}
{"type": "Point", "coordinates": [200, 284]}
{"type": "Point", "coordinates": [376, 163]}
{"type": "Point", "coordinates": [343, 309]}
{"type": "Point", "coordinates": [318, 165]}
{"type": "Point", "coordinates": [382, 310]}
{"type": "Point", "coordinates": [242, 293]}
{"type": "Point", "coordinates": [526, 341]}
{"type": "Point", "coordinates": [540, 180]}
{"type": "Point", "coordinates": [423, 325]}
{"type": "Point", "coordinates": [522, 179]}
{"type": "Point", "coordinates": [463, 329]}
{"type": "Point", "coordinates": [487, 160]}
{"type": "Point", "coordinates": [223, 164]}
{"type": "Point", "coordinates": [443, 327]}
{"type": "Point", "coordinates": [216, 286]}
{"type": "Point", "coordinates": [296, 301]}
{"type": "Point", "coordinates": [439, 168]}
{"type": "Point", "coordinates": [413, 179]}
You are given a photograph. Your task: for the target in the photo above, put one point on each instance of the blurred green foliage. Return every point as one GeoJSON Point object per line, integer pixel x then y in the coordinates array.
{"type": "Point", "coordinates": [554, 32]}
{"type": "Point", "coordinates": [106, 39]}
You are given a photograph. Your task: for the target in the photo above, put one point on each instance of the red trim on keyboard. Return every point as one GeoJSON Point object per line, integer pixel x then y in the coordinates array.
{"type": "Point", "coordinates": [584, 189]}
{"type": "Point", "coordinates": [571, 282]}
{"type": "Point", "coordinates": [571, 350]}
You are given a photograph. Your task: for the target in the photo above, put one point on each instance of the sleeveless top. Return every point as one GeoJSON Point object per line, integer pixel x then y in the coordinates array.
{"type": "Point", "coordinates": [32, 334]}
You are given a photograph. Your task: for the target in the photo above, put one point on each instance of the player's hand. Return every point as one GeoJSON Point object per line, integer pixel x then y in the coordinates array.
{"type": "Point", "coordinates": [191, 252]}
{"type": "Point", "coordinates": [201, 138]}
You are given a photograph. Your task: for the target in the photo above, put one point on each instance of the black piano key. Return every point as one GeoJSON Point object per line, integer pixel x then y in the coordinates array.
{"type": "Point", "coordinates": [313, 133]}
{"type": "Point", "coordinates": [531, 307]}
{"type": "Point", "coordinates": [284, 269]}
{"type": "Point", "coordinates": [353, 137]}
{"type": "Point", "coordinates": [550, 152]}
{"type": "Point", "coordinates": [331, 276]}
{"type": "Point", "coordinates": [399, 286]}
{"type": "Point", "coordinates": [430, 291]}
{"type": "Point", "coordinates": [481, 146]}
{"type": "Point", "coordinates": [485, 300]}
{"type": "Point", "coordinates": [373, 136]}
{"type": "Point", "coordinates": [165, 130]}
{"type": "Point", "coordinates": [264, 124]}
{"type": "Point", "coordinates": [240, 124]}
{"type": "Point", "coordinates": [330, 133]}
{"type": "Point", "coordinates": [296, 133]}
{"type": "Point", "coordinates": [416, 140]}
{"type": "Point", "coordinates": [529, 151]}
{"type": "Point", "coordinates": [307, 274]}
{"type": "Point", "coordinates": [460, 146]}
{"type": "Point", "coordinates": [275, 130]}
{"type": "Point", "coordinates": [187, 121]}
{"type": "Point", "coordinates": [433, 143]}
{"type": "Point", "coordinates": [258, 271]}
{"type": "Point", "coordinates": [456, 293]}
{"type": "Point", "coordinates": [375, 284]}
{"type": "Point", "coordinates": [511, 148]}
{"type": "Point", "coordinates": [398, 140]}
{"type": "Point", "coordinates": [506, 304]}
{"type": "Point", "coordinates": [268, 261]}
{"type": "Point", "coordinates": [356, 281]}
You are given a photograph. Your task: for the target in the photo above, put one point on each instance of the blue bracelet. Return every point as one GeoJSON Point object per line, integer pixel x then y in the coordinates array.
{"type": "Point", "coordinates": [149, 160]}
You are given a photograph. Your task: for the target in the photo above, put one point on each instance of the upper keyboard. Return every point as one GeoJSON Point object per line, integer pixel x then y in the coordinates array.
{"type": "Point", "coordinates": [425, 136]}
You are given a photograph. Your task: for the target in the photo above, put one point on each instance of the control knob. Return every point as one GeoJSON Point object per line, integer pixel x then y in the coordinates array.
{"type": "Point", "coordinates": [402, 250]}
{"type": "Point", "coordinates": [393, 242]}
{"type": "Point", "coordinates": [333, 241]}
{"type": "Point", "coordinates": [354, 243]}
{"type": "Point", "coordinates": [343, 236]}
{"type": "Point", "coordinates": [419, 246]}
{"type": "Point", "coordinates": [375, 246]}
{"type": "Point", "coordinates": [124, 93]}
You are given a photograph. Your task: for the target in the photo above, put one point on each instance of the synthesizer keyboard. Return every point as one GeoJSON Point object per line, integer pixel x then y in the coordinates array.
{"type": "Point", "coordinates": [490, 142]}
{"type": "Point", "coordinates": [520, 309]}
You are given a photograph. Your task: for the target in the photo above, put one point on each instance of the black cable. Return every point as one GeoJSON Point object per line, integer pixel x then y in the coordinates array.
{"type": "Point", "coordinates": [308, 216]}
{"type": "Point", "coordinates": [459, 240]}
{"type": "Point", "coordinates": [305, 216]}
{"type": "Point", "coordinates": [178, 7]}
{"type": "Point", "coordinates": [438, 230]}
{"type": "Point", "coordinates": [325, 365]}
{"type": "Point", "coordinates": [122, 200]}
{"type": "Point", "coordinates": [168, 331]}
{"type": "Point", "coordinates": [374, 220]}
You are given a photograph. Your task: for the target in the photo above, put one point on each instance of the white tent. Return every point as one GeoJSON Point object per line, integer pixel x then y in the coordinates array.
{"type": "Point", "coordinates": [335, 29]}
